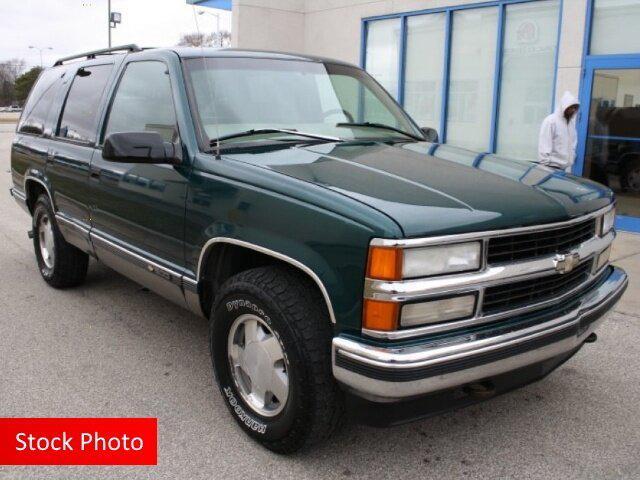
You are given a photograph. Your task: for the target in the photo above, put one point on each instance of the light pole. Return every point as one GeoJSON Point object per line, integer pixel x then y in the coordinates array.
{"type": "Point", "coordinates": [40, 49]}
{"type": "Point", "coordinates": [217, 15]}
{"type": "Point", "coordinates": [113, 19]}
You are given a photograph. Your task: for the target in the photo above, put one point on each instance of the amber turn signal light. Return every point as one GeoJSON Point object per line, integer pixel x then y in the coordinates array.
{"type": "Point", "coordinates": [384, 263]}
{"type": "Point", "coordinates": [377, 315]}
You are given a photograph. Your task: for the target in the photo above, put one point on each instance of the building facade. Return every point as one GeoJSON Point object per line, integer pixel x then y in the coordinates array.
{"type": "Point", "coordinates": [484, 74]}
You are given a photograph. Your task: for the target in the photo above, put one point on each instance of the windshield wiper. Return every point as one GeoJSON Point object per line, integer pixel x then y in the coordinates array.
{"type": "Point", "coordinates": [259, 131]}
{"type": "Point", "coordinates": [381, 126]}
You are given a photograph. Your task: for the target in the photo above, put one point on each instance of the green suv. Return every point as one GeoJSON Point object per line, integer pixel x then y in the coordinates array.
{"type": "Point", "coordinates": [346, 261]}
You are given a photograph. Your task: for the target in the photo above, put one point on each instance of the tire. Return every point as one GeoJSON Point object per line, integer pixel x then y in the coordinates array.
{"type": "Point", "coordinates": [67, 266]}
{"type": "Point", "coordinates": [288, 307]}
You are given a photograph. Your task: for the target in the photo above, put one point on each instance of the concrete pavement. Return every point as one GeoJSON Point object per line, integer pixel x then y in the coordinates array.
{"type": "Point", "coordinates": [110, 348]}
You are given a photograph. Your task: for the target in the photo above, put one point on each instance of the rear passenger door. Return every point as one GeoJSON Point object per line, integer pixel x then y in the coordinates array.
{"type": "Point", "coordinates": [70, 151]}
{"type": "Point", "coordinates": [138, 210]}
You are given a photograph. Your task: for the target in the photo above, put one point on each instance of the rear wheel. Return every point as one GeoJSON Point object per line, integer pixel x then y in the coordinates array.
{"type": "Point", "coordinates": [270, 340]}
{"type": "Point", "coordinates": [61, 264]}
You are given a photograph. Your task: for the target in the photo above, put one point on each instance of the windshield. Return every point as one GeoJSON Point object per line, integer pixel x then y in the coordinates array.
{"type": "Point", "coordinates": [236, 95]}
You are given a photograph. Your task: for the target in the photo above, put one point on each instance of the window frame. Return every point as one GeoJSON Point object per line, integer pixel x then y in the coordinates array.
{"type": "Point", "coordinates": [114, 91]}
{"type": "Point", "coordinates": [449, 11]}
{"type": "Point", "coordinates": [66, 91]}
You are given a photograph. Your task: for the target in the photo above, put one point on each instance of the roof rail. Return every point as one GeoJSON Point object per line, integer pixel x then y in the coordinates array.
{"type": "Point", "coordinates": [105, 51]}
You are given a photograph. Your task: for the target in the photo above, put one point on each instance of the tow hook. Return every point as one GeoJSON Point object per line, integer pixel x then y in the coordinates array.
{"type": "Point", "coordinates": [31, 234]}
{"type": "Point", "coordinates": [591, 338]}
{"type": "Point", "coordinates": [480, 389]}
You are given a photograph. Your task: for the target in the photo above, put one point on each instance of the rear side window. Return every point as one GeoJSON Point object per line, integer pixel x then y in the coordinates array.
{"type": "Point", "coordinates": [144, 102]}
{"type": "Point", "coordinates": [80, 114]}
{"type": "Point", "coordinates": [39, 103]}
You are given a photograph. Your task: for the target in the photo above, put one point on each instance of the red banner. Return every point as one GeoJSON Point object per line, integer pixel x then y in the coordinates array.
{"type": "Point", "coordinates": [78, 441]}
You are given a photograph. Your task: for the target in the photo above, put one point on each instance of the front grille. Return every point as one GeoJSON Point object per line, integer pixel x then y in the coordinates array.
{"type": "Point", "coordinates": [526, 292]}
{"type": "Point", "coordinates": [537, 243]}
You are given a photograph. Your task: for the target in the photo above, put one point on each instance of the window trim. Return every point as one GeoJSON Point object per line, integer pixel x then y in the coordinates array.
{"type": "Point", "coordinates": [56, 128]}
{"type": "Point", "coordinates": [449, 10]}
{"type": "Point", "coordinates": [123, 70]}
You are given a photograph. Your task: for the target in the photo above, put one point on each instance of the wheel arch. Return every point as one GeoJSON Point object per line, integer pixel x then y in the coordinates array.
{"type": "Point", "coordinates": [212, 246]}
{"type": "Point", "coordinates": [33, 187]}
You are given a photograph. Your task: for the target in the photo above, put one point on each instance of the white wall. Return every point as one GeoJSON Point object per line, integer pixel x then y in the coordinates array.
{"type": "Point", "coordinates": [269, 25]}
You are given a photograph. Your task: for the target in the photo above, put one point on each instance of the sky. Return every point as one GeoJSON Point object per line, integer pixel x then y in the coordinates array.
{"type": "Point", "coordinates": [74, 26]}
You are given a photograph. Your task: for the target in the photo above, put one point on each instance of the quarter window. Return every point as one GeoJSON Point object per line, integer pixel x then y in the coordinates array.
{"type": "Point", "coordinates": [40, 100]}
{"type": "Point", "coordinates": [80, 115]}
{"type": "Point", "coordinates": [144, 102]}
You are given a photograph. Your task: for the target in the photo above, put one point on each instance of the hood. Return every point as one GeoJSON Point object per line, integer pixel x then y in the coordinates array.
{"type": "Point", "coordinates": [565, 102]}
{"type": "Point", "coordinates": [433, 189]}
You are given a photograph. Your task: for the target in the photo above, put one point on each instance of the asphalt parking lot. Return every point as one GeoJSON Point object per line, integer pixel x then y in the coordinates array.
{"type": "Point", "coordinates": [110, 348]}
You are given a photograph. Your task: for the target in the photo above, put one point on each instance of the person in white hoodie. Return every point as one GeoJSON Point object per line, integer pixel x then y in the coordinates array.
{"type": "Point", "coordinates": [558, 135]}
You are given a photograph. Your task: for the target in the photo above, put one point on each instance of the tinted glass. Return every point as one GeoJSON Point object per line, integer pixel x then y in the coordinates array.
{"type": "Point", "coordinates": [471, 77]}
{"type": "Point", "coordinates": [39, 103]}
{"type": "Point", "coordinates": [383, 52]}
{"type": "Point", "coordinates": [144, 102]}
{"type": "Point", "coordinates": [613, 143]}
{"type": "Point", "coordinates": [529, 52]}
{"type": "Point", "coordinates": [80, 114]}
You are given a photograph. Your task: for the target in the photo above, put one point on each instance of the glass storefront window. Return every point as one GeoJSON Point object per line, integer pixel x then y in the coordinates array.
{"type": "Point", "coordinates": [527, 67]}
{"type": "Point", "coordinates": [528, 60]}
{"type": "Point", "coordinates": [424, 67]}
{"type": "Point", "coordinates": [615, 27]}
{"type": "Point", "coordinates": [383, 53]}
{"type": "Point", "coordinates": [613, 140]}
{"type": "Point", "coordinates": [471, 77]}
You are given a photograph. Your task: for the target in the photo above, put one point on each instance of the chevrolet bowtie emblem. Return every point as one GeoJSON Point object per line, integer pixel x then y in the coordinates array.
{"type": "Point", "coordinates": [566, 262]}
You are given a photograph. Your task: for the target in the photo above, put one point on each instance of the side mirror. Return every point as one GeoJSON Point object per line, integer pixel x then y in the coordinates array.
{"type": "Point", "coordinates": [140, 147]}
{"type": "Point", "coordinates": [430, 134]}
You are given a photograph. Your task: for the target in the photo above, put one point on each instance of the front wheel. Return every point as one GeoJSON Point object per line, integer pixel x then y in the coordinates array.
{"type": "Point", "coordinates": [270, 340]}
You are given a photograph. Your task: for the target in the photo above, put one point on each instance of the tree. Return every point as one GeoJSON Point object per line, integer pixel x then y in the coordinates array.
{"type": "Point", "coordinates": [197, 39]}
{"type": "Point", "coordinates": [9, 70]}
{"type": "Point", "coordinates": [24, 83]}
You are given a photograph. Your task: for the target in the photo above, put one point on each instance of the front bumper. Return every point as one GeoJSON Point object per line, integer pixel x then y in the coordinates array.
{"type": "Point", "coordinates": [398, 372]}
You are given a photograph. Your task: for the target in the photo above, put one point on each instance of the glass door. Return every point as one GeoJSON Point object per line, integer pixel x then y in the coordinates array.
{"type": "Point", "coordinates": [609, 132]}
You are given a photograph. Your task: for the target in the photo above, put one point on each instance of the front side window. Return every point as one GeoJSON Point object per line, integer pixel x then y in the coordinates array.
{"type": "Point", "coordinates": [143, 102]}
{"type": "Point", "coordinates": [80, 112]}
{"type": "Point", "coordinates": [234, 95]}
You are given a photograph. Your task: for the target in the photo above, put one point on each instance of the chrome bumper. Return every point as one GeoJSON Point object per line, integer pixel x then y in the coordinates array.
{"type": "Point", "coordinates": [394, 373]}
{"type": "Point", "coordinates": [19, 197]}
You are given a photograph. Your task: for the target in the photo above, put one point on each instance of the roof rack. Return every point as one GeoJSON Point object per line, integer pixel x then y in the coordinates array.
{"type": "Point", "coordinates": [105, 51]}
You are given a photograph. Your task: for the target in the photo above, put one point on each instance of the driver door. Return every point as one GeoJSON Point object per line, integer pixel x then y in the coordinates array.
{"type": "Point", "coordinates": [137, 214]}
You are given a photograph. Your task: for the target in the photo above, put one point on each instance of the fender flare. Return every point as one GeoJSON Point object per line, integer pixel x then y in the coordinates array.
{"type": "Point", "coordinates": [272, 253]}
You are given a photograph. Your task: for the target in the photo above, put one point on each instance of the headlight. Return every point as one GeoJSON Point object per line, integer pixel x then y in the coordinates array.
{"type": "Point", "coordinates": [459, 257]}
{"type": "Point", "coordinates": [434, 311]}
{"type": "Point", "coordinates": [608, 220]}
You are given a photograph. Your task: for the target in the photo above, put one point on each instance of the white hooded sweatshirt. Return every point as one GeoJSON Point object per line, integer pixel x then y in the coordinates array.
{"type": "Point", "coordinates": [558, 137]}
